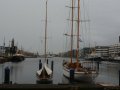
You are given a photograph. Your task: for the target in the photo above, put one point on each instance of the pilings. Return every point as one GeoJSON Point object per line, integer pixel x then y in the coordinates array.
{"type": "Point", "coordinates": [119, 77]}
{"type": "Point", "coordinates": [7, 76]}
{"type": "Point", "coordinates": [40, 64]}
{"type": "Point", "coordinates": [52, 65]}
{"type": "Point", "coordinates": [72, 72]}
{"type": "Point", "coordinates": [47, 61]}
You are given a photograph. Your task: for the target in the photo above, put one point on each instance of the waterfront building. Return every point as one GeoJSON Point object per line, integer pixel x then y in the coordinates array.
{"type": "Point", "coordinates": [85, 51]}
{"type": "Point", "coordinates": [2, 50]}
{"type": "Point", "coordinates": [102, 51]}
{"type": "Point", "coordinates": [114, 50]}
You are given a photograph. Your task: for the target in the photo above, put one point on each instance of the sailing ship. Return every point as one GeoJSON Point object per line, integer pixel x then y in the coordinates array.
{"type": "Point", "coordinates": [45, 73]}
{"type": "Point", "coordinates": [15, 54]}
{"type": "Point", "coordinates": [78, 70]}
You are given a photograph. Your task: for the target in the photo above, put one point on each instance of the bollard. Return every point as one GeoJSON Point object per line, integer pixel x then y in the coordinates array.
{"type": "Point", "coordinates": [119, 77]}
{"type": "Point", "coordinates": [52, 64]}
{"type": "Point", "coordinates": [40, 64]}
{"type": "Point", "coordinates": [72, 71]}
{"type": "Point", "coordinates": [7, 75]}
{"type": "Point", "coordinates": [47, 61]}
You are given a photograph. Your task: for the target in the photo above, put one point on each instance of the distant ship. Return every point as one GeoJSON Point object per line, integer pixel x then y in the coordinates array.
{"type": "Point", "coordinates": [15, 54]}
{"type": "Point", "coordinates": [17, 58]}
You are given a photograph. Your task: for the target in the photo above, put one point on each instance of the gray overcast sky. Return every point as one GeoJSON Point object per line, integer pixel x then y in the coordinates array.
{"type": "Point", "coordinates": [24, 21]}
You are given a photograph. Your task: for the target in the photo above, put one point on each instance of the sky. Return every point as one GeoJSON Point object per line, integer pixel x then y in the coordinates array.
{"type": "Point", "coordinates": [24, 20]}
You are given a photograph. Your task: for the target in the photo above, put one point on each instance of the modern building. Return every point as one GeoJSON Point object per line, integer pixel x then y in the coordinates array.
{"type": "Point", "coordinates": [102, 51]}
{"type": "Point", "coordinates": [114, 50]}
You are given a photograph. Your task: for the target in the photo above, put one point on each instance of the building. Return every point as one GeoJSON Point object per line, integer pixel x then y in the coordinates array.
{"type": "Point", "coordinates": [2, 50]}
{"type": "Point", "coordinates": [114, 50]}
{"type": "Point", "coordinates": [102, 51]}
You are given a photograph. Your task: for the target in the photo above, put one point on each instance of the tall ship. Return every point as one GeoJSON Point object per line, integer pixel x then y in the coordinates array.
{"type": "Point", "coordinates": [79, 71]}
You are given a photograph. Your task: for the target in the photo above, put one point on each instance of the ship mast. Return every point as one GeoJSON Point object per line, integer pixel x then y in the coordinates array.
{"type": "Point", "coordinates": [71, 53]}
{"type": "Point", "coordinates": [46, 32]}
{"type": "Point", "coordinates": [78, 31]}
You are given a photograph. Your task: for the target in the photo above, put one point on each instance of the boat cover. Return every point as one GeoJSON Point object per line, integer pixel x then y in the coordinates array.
{"type": "Point", "coordinates": [48, 70]}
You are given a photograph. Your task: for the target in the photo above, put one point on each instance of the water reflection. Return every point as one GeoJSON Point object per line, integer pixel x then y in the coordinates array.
{"type": "Point", "coordinates": [108, 73]}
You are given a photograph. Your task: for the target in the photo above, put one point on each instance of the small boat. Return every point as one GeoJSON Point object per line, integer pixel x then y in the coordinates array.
{"type": "Point", "coordinates": [45, 73]}
{"type": "Point", "coordinates": [93, 56]}
{"type": "Point", "coordinates": [117, 58]}
{"type": "Point", "coordinates": [77, 70]}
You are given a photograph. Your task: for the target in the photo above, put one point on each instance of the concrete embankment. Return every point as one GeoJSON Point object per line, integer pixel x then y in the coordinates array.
{"type": "Point", "coordinates": [58, 87]}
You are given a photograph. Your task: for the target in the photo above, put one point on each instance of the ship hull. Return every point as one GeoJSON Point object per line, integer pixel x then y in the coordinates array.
{"type": "Point", "coordinates": [80, 75]}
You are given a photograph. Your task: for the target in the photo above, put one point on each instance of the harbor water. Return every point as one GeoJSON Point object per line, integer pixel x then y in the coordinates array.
{"type": "Point", "coordinates": [25, 72]}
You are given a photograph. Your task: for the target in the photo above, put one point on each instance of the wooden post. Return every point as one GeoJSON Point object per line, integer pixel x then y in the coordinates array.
{"type": "Point", "coordinates": [119, 77]}
{"type": "Point", "coordinates": [47, 61]}
{"type": "Point", "coordinates": [52, 64]}
{"type": "Point", "coordinates": [72, 74]}
{"type": "Point", "coordinates": [7, 75]}
{"type": "Point", "coordinates": [40, 64]}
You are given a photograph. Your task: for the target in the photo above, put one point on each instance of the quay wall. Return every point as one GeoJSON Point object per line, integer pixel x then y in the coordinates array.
{"type": "Point", "coordinates": [58, 87]}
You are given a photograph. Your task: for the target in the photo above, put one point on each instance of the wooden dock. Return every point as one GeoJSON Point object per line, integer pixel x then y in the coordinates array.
{"type": "Point", "coordinates": [58, 87]}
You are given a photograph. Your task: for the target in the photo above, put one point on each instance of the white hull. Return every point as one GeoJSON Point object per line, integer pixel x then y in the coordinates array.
{"type": "Point", "coordinates": [80, 75]}
{"type": "Point", "coordinates": [117, 58]}
{"type": "Point", "coordinates": [45, 73]}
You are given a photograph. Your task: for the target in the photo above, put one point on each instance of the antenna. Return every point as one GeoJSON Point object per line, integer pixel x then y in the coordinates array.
{"type": "Point", "coordinates": [4, 42]}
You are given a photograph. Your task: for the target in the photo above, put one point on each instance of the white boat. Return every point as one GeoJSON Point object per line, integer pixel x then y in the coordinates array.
{"type": "Point", "coordinates": [45, 73]}
{"type": "Point", "coordinates": [80, 71]}
{"type": "Point", "coordinates": [85, 72]}
{"type": "Point", "coordinates": [93, 56]}
{"type": "Point", "coordinates": [117, 58]}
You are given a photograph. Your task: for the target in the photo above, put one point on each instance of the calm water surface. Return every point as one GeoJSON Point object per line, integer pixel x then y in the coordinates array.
{"type": "Point", "coordinates": [25, 72]}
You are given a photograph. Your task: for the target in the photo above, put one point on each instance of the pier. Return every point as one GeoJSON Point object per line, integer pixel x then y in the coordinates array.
{"type": "Point", "coordinates": [59, 87]}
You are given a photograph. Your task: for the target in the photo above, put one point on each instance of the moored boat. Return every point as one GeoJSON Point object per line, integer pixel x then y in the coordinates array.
{"type": "Point", "coordinates": [79, 71]}
{"type": "Point", "coordinates": [117, 58]}
{"type": "Point", "coordinates": [17, 58]}
{"type": "Point", "coordinates": [45, 73]}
